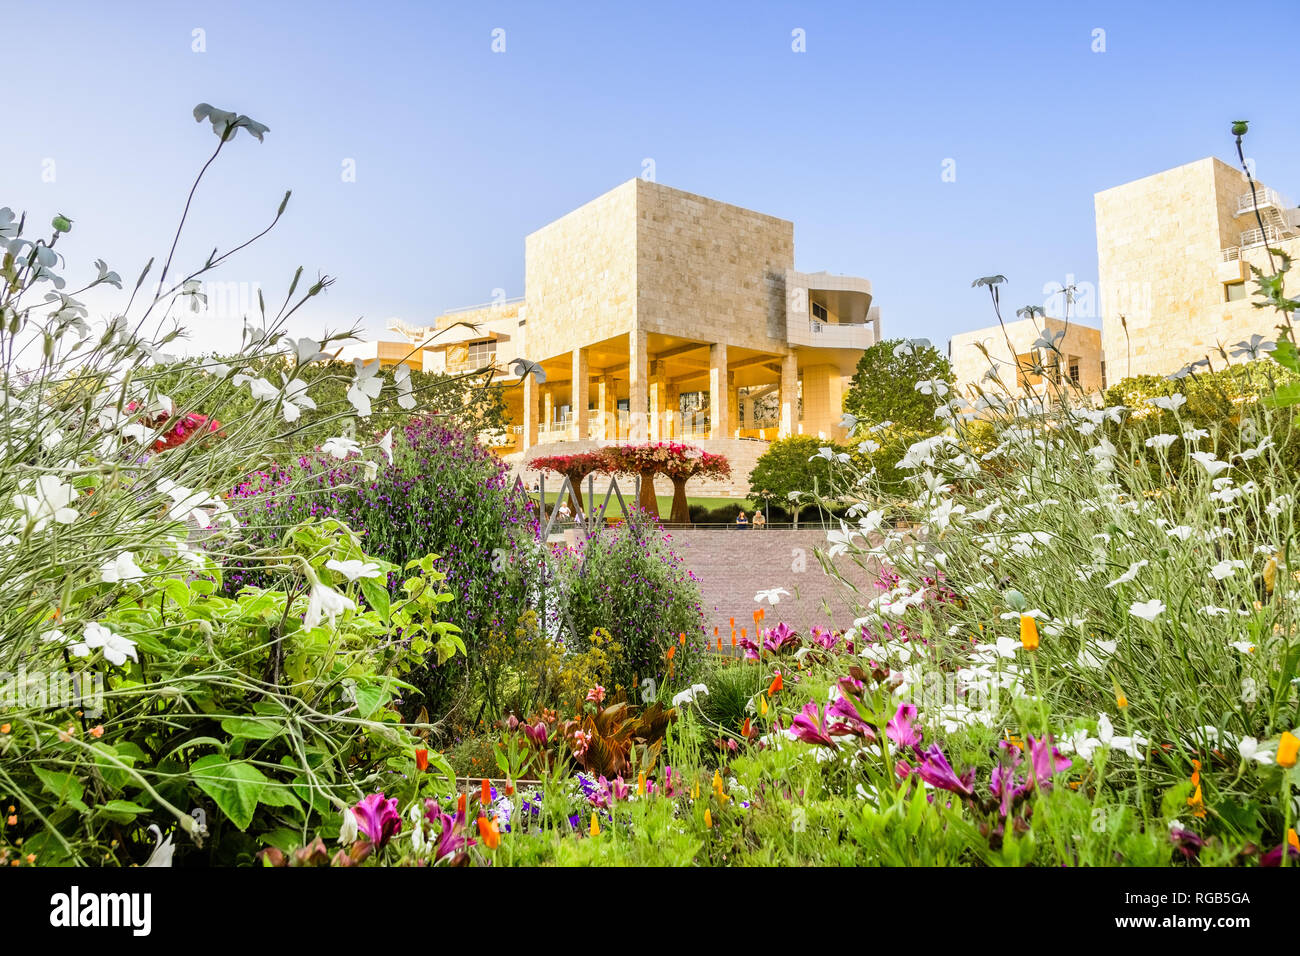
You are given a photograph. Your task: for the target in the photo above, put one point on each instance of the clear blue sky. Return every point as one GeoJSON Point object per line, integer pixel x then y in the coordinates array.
{"type": "Point", "coordinates": [460, 152]}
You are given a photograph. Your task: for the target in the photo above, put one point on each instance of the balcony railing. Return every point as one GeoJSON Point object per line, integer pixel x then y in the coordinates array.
{"type": "Point", "coordinates": [1264, 196]}
{"type": "Point", "coordinates": [1257, 237]}
{"type": "Point", "coordinates": [831, 335]}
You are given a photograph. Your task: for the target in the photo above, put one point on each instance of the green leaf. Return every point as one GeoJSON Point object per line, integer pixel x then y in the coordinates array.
{"type": "Point", "coordinates": [65, 787]}
{"type": "Point", "coordinates": [1286, 354]}
{"type": "Point", "coordinates": [252, 729]}
{"type": "Point", "coordinates": [235, 786]}
{"type": "Point", "coordinates": [376, 595]}
{"type": "Point", "coordinates": [122, 811]}
{"type": "Point", "coordinates": [177, 591]}
{"type": "Point", "coordinates": [370, 697]}
{"type": "Point", "coordinates": [1284, 396]}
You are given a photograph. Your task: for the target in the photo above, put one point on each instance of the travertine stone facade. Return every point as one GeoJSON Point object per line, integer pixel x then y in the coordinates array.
{"type": "Point", "coordinates": [1169, 247]}
{"type": "Point", "coordinates": [1079, 360]}
{"type": "Point", "coordinates": [651, 310]}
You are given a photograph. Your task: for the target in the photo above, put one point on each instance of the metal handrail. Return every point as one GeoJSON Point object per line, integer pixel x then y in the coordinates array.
{"type": "Point", "coordinates": [1264, 195]}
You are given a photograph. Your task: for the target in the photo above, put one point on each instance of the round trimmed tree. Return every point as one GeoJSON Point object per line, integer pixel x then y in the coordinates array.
{"type": "Point", "coordinates": [574, 467]}
{"type": "Point", "coordinates": [687, 464]}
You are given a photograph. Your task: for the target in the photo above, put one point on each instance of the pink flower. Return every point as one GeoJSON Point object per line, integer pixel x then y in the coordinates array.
{"type": "Point", "coordinates": [810, 727]}
{"type": "Point", "coordinates": [900, 729]}
{"type": "Point", "coordinates": [937, 772]}
{"type": "Point", "coordinates": [377, 818]}
{"type": "Point", "coordinates": [581, 741]}
{"type": "Point", "coordinates": [596, 694]}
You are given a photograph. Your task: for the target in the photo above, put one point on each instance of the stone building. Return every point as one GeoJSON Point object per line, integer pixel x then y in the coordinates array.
{"type": "Point", "coordinates": [1173, 252]}
{"type": "Point", "coordinates": [657, 314]}
{"type": "Point", "coordinates": [1075, 360]}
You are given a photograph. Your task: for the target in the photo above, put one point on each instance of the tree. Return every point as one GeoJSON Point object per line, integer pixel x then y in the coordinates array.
{"type": "Point", "coordinates": [794, 464]}
{"type": "Point", "coordinates": [691, 463]}
{"type": "Point", "coordinates": [574, 467]}
{"type": "Point", "coordinates": [883, 388]}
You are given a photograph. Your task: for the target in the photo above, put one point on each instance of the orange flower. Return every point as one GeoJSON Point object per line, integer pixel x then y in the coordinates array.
{"type": "Point", "coordinates": [744, 730]}
{"type": "Point", "coordinates": [762, 706]}
{"type": "Point", "coordinates": [708, 819]}
{"type": "Point", "coordinates": [758, 616]}
{"type": "Point", "coordinates": [640, 784]}
{"type": "Point", "coordinates": [485, 793]}
{"type": "Point", "coordinates": [1121, 701]}
{"type": "Point", "coordinates": [719, 645]}
{"type": "Point", "coordinates": [715, 630]}
{"type": "Point", "coordinates": [1286, 749]}
{"type": "Point", "coordinates": [742, 633]}
{"type": "Point", "coordinates": [774, 687]}
{"type": "Point", "coordinates": [733, 623]}
{"type": "Point", "coordinates": [421, 759]}
{"type": "Point", "coordinates": [681, 638]}
{"type": "Point", "coordinates": [671, 652]}
{"type": "Point", "coordinates": [1028, 633]}
{"type": "Point", "coordinates": [488, 831]}
{"type": "Point", "coordinates": [1292, 840]}
{"type": "Point", "coordinates": [460, 803]}
{"type": "Point", "coordinates": [12, 820]}
{"type": "Point", "coordinates": [595, 825]}
{"type": "Point", "coordinates": [733, 638]}
{"type": "Point", "coordinates": [4, 728]}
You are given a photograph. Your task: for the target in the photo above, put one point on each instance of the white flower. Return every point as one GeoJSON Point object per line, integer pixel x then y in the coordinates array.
{"type": "Point", "coordinates": [121, 570]}
{"type": "Point", "coordinates": [1147, 610]}
{"type": "Point", "coordinates": [295, 400]}
{"type": "Point", "coordinates": [48, 502]}
{"type": "Point", "coordinates": [1211, 611]}
{"type": "Point", "coordinates": [386, 444]}
{"type": "Point", "coordinates": [325, 602]}
{"type": "Point", "coordinates": [116, 648]}
{"type": "Point", "coordinates": [1249, 690]}
{"type": "Point", "coordinates": [260, 388]}
{"type": "Point", "coordinates": [771, 595]}
{"type": "Point", "coordinates": [402, 379]}
{"type": "Point", "coordinates": [1245, 647]}
{"type": "Point", "coordinates": [1278, 505]}
{"type": "Point", "coordinates": [932, 386]}
{"type": "Point", "coordinates": [1161, 442]}
{"type": "Point", "coordinates": [689, 695]}
{"type": "Point", "coordinates": [1248, 747]}
{"type": "Point", "coordinates": [366, 386]}
{"type": "Point", "coordinates": [1211, 464]}
{"type": "Point", "coordinates": [354, 570]}
{"type": "Point", "coordinates": [1226, 569]}
{"type": "Point", "coordinates": [1264, 443]}
{"type": "Point", "coordinates": [1195, 434]}
{"type": "Point", "coordinates": [1129, 745]}
{"type": "Point", "coordinates": [340, 447]}
{"type": "Point", "coordinates": [1171, 403]}
{"type": "Point", "coordinates": [868, 447]}
{"type": "Point", "coordinates": [348, 831]}
{"type": "Point", "coordinates": [1095, 653]}
{"type": "Point", "coordinates": [1182, 532]}
{"type": "Point", "coordinates": [1130, 574]}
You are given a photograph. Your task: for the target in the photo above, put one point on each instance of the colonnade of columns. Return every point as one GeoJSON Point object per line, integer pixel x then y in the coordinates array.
{"type": "Point", "coordinates": [654, 409]}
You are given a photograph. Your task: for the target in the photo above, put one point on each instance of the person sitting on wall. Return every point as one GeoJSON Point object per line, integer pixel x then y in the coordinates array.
{"type": "Point", "coordinates": [741, 520]}
{"type": "Point", "coordinates": [563, 512]}
{"type": "Point", "coordinates": [759, 521]}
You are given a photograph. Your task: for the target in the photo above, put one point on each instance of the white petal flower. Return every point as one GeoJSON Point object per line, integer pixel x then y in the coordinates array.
{"type": "Point", "coordinates": [1130, 574]}
{"type": "Point", "coordinates": [340, 447]}
{"type": "Point", "coordinates": [325, 603]}
{"type": "Point", "coordinates": [1226, 569]}
{"type": "Point", "coordinates": [771, 595]}
{"type": "Point", "coordinates": [689, 695]}
{"type": "Point", "coordinates": [116, 648]}
{"type": "Point", "coordinates": [354, 570]}
{"type": "Point", "coordinates": [1211, 464]}
{"type": "Point", "coordinates": [386, 445]}
{"type": "Point", "coordinates": [121, 570]}
{"type": "Point", "coordinates": [1160, 442]}
{"type": "Point", "coordinates": [1147, 610]}
{"type": "Point", "coordinates": [1245, 647]}
{"type": "Point", "coordinates": [1248, 747]}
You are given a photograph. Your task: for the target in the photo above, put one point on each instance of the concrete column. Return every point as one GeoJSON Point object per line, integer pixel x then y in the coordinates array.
{"type": "Point", "coordinates": [638, 373]}
{"type": "Point", "coordinates": [789, 408]}
{"type": "Point", "coordinates": [531, 388]}
{"type": "Point", "coordinates": [733, 405]}
{"type": "Point", "coordinates": [719, 403]}
{"type": "Point", "coordinates": [748, 405]}
{"type": "Point", "coordinates": [580, 393]}
{"type": "Point", "coordinates": [548, 410]}
{"type": "Point", "coordinates": [605, 401]}
{"type": "Point", "coordinates": [658, 401]}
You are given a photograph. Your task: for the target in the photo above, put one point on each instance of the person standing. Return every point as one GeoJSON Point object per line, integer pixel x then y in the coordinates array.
{"type": "Point", "coordinates": [741, 520]}
{"type": "Point", "coordinates": [759, 521]}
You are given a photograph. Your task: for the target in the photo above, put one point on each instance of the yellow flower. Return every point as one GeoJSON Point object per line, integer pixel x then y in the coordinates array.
{"type": "Point", "coordinates": [595, 825]}
{"type": "Point", "coordinates": [762, 706]}
{"type": "Point", "coordinates": [1286, 749]}
{"type": "Point", "coordinates": [1028, 633]}
{"type": "Point", "coordinates": [708, 819]}
{"type": "Point", "coordinates": [640, 784]}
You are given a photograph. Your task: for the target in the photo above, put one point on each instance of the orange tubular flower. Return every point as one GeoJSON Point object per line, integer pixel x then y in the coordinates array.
{"type": "Point", "coordinates": [1028, 633]}
{"type": "Point", "coordinates": [595, 825]}
{"type": "Point", "coordinates": [1293, 840]}
{"type": "Point", "coordinates": [733, 638]}
{"type": "Point", "coordinates": [640, 784]}
{"type": "Point", "coordinates": [744, 730]}
{"type": "Point", "coordinates": [681, 638]}
{"type": "Point", "coordinates": [776, 685]}
{"type": "Point", "coordinates": [719, 645]}
{"type": "Point", "coordinates": [733, 623]}
{"type": "Point", "coordinates": [1286, 749]}
{"type": "Point", "coordinates": [708, 819]}
{"type": "Point", "coordinates": [421, 759]}
{"type": "Point", "coordinates": [762, 706]}
{"type": "Point", "coordinates": [671, 652]}
{"type": "Point", "coordinates": [488, 832]}
{"type": "Point", "coordinates": [460, 803]}
{"type": "Point", "coordinates": [485, 793]}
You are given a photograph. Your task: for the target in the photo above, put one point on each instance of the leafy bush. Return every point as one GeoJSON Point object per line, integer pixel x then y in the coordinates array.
{"type": "Point", "coordinates": [442, 494]}
{"type": "Point", "coordinates": [635, 587]}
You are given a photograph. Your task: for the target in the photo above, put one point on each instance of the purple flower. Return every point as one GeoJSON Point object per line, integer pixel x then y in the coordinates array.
{"type": "Point", "coordinates": [377, 818]}
{"type": "Point", "coordinates": [935, 770]}
{"type": "Point", "coordinates": [849, 722]}
{"type": "Point", "coordinates": [900, 729]}
{"type": "Point", "coordinates": [810, 727]}
{"type": "Point", "coordinates": [450, 838]}
{"type": "Point", "coordinates": [1046, 759]}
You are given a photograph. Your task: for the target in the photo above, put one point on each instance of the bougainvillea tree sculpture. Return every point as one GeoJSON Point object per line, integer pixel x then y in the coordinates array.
{"type": "Point", "coordinates": [574, 467]}
{"type": "Point", "coordinates": [675, 460]}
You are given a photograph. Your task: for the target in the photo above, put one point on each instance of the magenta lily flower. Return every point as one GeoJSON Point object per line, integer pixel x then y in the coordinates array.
{"type": "Point", "coordinates": [810, 727]}
{"type": "Point", "coordinates": [900, 728]}
{"type": "Point", "coordinates": [536, 733]}
{"type": "Point", "coordinates": [848, 720]}
{"type": "Point", "coordinates": [825, 639]}
{"type": "Point", "coordinates": [453, 836]}
{"type": "Point", "coordinates": [377, 818]}
{"type": "Point", "coordinates": [1046, 759]}
{"type": "Point", "coordinates": [619, 789]}
{"type": "Point", "coordinates": [935, 770]}
{"type": "Point", "coordinates": [780, 637]}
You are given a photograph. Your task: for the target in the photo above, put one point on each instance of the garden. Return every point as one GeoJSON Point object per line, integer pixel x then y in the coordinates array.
{"type": "Point", "coordinates": [273, 609]}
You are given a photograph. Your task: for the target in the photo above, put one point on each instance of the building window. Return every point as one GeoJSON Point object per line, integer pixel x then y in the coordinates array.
{"type": "Point", "coordinates": [819, 312]}
{"type": "Point", "coordinates": [482, 353]}
{"type": "Point", "coordinates": [1234, 291]}
{"type": "Point", "coordinates": [1074, 369]}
